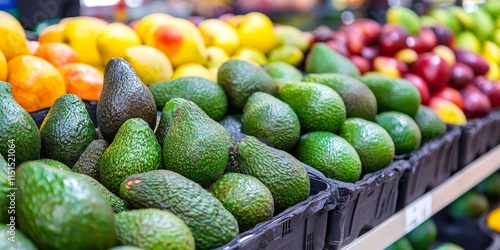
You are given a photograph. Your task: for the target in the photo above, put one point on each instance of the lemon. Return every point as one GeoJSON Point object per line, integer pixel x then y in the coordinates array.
{"type": "Point", "coordinates": [193, 69]}
{"type": "Point", "coordinates": [150, 64]}
{"type": "Point", "coordinates": [493, 220]}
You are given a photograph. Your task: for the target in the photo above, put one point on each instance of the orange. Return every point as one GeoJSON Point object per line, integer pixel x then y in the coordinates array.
{"type": "Point", "coordinates": [36, 84]}
{"type": "Point", "coordinates": [58, 54]}
{"type": "Point", "coordinates": [82, 80]}
{"type": "Point", "coordinates": [3, 67]}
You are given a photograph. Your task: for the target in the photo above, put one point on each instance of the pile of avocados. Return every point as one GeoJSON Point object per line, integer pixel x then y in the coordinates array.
{"type": "Point", "coordinates": [222, 157]}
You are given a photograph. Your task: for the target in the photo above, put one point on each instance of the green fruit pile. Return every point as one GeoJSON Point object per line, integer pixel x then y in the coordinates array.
{"type": "Point", "coordinates": [182, 177]}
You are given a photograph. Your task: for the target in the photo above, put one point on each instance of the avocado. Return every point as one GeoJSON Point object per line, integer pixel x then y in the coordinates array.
{"type": "Point", "coordinates": [402, 244]}
{"type": "Point", "coordinates": [393, 94]}
{"type": "Point", "coordinates": [318, 107]}
{"type": "Point", "coordinates": [67, 130]}
{"type": "Point", "coordinates": [469, 205]}
{"type": "Point", "coordinates": [403, 130]}
{"type": "Point", "coordinates": [124, 96]}
{"type": "Point", "coordinates": [372, 143]}
{"type": "Point", "coordinates": [56, 164]}
{"type": "Point", "coordinates": [283, 70]}
{"type": "Point", "coordinates": [193, 145]}
{"type": "Point", "coordinates": [240, 79]}
{"type": "Point", "coordinates": [322, 59]}
{"type": "Point", "coordinates": [164, 230]}
{"type": "Point", "coordinates": [5, 190]}
{"type": "Point", "coordinates": [134, 150]}
{"type": "Point", "coordinates": [359, 100]}
{"type": "Point", "coordinates": [330, 154]}
{"type": "Point", "coordinates": [90, 160]}
{"type": "Point", "coordinates": [211, 224]}
{"type": "Point", "coordinates": [14, 239]}
{"type": "Point", "coordinates": [423, 235]}
{"type": "Point", "coordinates": [285, 176]}
{"type": "Point", "coordinates": [232, 161]}
{"type": "Point", "coordinates": [57, 210]}
{"type": "Point", "coordinates": [208, 95]}
{"type": "Point", "coordinates": [490, 186]}
{"type": "Point", "coordinates": [247, 198]}
{"type": "Point", "coordinates": [19, 132]}
{"type": "Point", "coordinates": [430, 124]}
{"type": "Point", "coordinates": [270, 119]}
{"type": "Point", "coordinates": [114, 201]}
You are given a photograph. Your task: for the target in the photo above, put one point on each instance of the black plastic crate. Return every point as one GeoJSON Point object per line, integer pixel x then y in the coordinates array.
{"type": "Point", "coordinates": [477, 138]}
{"type": "Point", "coordinates": [470, 234]}
{"type": "Point", "coordinates": [302, 226]}
{"type": "Point", "coordinates": [431, 164]}
{"type": "Point", "coordinates": [494, 133]}
{"type": "Point", "coordinates": [364, 204]}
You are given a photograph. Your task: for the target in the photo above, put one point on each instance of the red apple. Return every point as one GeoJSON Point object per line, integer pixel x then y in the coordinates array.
{"type": "Point", "coordinates": [433, 69]}
{"type": "Point", "coordinates": [364, 65]}
{"type": "Point", "coordinates": [444, 35]}
{"type": "Point", "coordinates": [421, 86]}
{"type": "Point", "coordinates": [429, 38]}
{"type": "Point", "coordinates": [461, 75]}
{"type": "Point", "coordinates": [340, 37]}
{"type": "Point", "coordinates": [476, 104]}
{"type": "Point", "coordinates": [451, 95]}
{"type": "Point", "coordinates": [417, 44]}
{"type": "Point", "coordinates": [392, 39]}
{"type": "Point", "coordinates": [491, 88]}
{"type": "Point", "coordinates": [338, 47]}
{"type": "Point", "coordinates": [370, 52]}
{"type": "Point", "coordinates": [390, 66]}
{"type": "Point", "coordinates": [476, 62]}
{"type": "Point", "coordinates": [355, 39]}
{"type": "Point", "coordinates": [370, 29]}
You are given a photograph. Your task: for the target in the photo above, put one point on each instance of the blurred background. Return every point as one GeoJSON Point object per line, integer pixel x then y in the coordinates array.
{"type": "Point", "coordinates": [304, 14]}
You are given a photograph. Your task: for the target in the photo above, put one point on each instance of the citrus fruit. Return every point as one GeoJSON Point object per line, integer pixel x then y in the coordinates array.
{"type": "Point", "coordinates": [82, 80]}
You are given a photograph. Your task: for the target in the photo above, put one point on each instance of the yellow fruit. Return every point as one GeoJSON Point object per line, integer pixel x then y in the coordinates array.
{"type": "Point", "coordinates": [407, 56]}
{"type": "Point", "coordinates": [448, 111]}
{"type": "Point", "coordinates": [52, 34]}
{"type": "Point", "coordinates": [491, 51]}
{"type": "Point", "coordinates": [445, 53]}
{"type": "Point", "coordinates": [36, 84]}
{"type": "Point", "coordinates": [81, 34]}
{"type": "Point", "coordinates": [216, 32]}
{"type": "Point", "coordinates": [3, 67]}
{"type": "Point", "coordinates": [494, 71]}
{"type": "Point", "coordinates": [216, 56]}
{"type": "Point", "coordinates": [179, 40]}
{"type": "Point", "coordinates": [114, 40]}
{"type": "Point", "coordinates": [82, 80]}
{"type": "Point", "coordinates": [290, 35]}
{"type": "Point", "coordinates": [57, 54]}
{"type": "Point", "coordinates": [256, 31]}
{"type": "Point", "coordinates": [192, 69]}
{"type": "Point", "coordinates": [150, 64]}
{"type": "Point", "coordinates": [286, 53]}
{"type": "Point", "coordinates": [13, 39]}
{"type": "Point", "coordinates": [250, 54]}
{"type": "Point", "coordinates": [493, 220]}
{"type": "Point", "coordinates": [149, 21]}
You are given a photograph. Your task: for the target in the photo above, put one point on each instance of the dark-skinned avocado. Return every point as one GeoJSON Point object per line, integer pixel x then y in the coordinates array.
{"type": "Point", "coordinates": [124, 96]}
{"type": "Point", "coordinates": [67, 130]}
{"type": "Point", "coordinates": [211, 224]}
{"type": "Point", "coordinates": [19, 132]}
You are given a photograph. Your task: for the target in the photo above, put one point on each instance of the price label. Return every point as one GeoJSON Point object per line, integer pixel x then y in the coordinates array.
{"type": "Point", "coordinates": [418, 211]}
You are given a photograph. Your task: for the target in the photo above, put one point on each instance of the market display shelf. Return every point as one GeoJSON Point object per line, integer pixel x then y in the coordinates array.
{"type": "Point", "coordinates": [430, 203]}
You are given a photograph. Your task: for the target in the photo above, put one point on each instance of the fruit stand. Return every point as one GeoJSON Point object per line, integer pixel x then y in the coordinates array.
{"type": "Point", "coordinates": [144, 129]}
